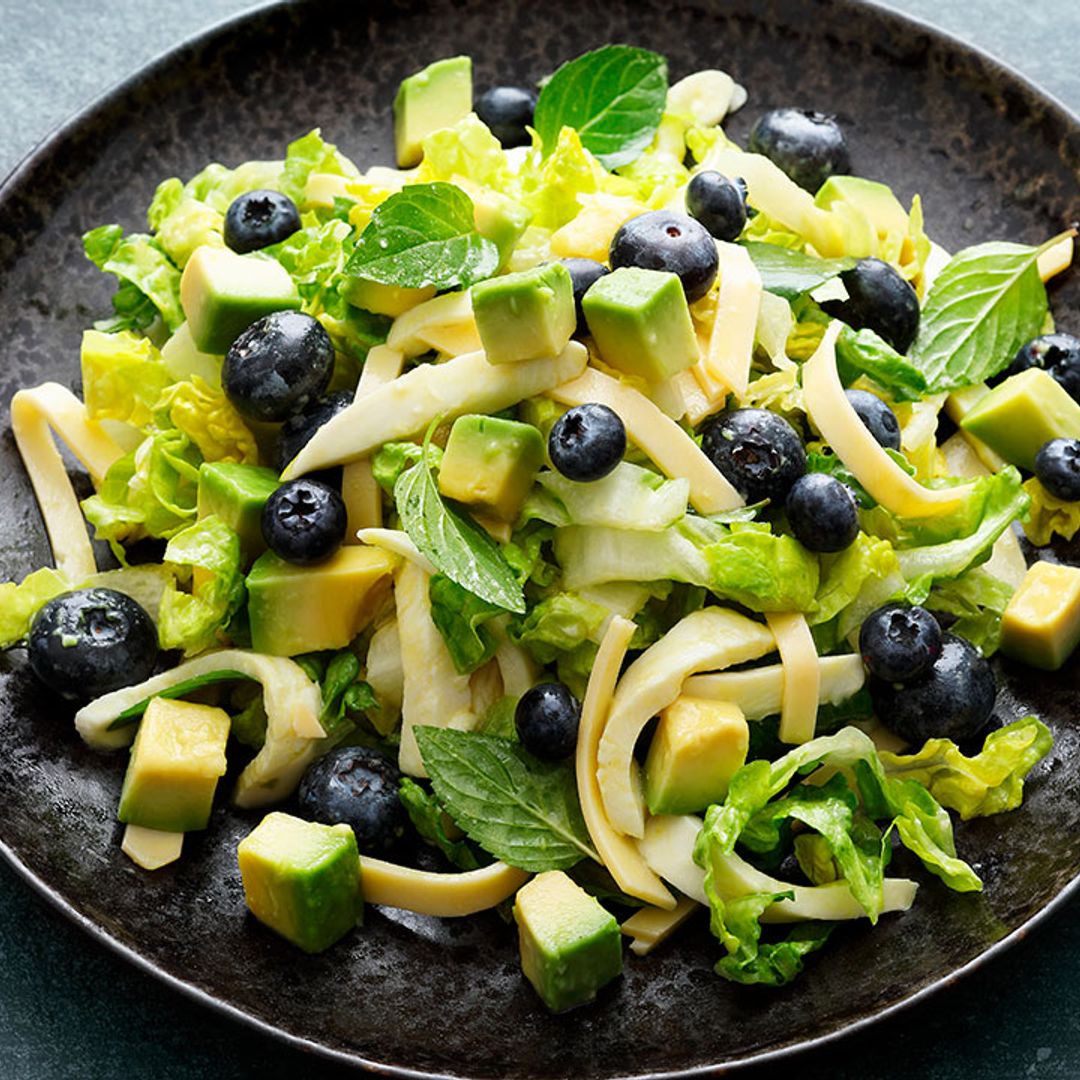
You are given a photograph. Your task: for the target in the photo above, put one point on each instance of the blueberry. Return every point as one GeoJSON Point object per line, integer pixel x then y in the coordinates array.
{"type": "Point", "coordinates": [899, 642]}
{"type": "Point", "coordinates": [822, 513]}
{"type": "Point", "coordinates": [297, 431]}
{"type": "Point", "coordinates": [584, 273]}
{"type": "Point", "coordinates": [718, 203]}
{"type": "Point", "coordinates": [507, 110]}
{"type": "Point", "coordinates": [744, 191]}
{"type": "Point", "coordinates": [87, 643]}
{"type": "Point", "coordinates": [877, 417]}
{"type": "Point", "coordinates": [546, 719]}
{"type": "Point", "coordinates": [356, 786]}
{"type": "Point", "coordinates": [278, 366]}
{"type": "Point", "coordinates": [953, 700]}
{"type": "Point", "coordinates": [1059, 354]}
{"type": "Point", "coordinates": [258, 219]}
{"type": "Point", "coordinates": [808, 146]}
{"type": "Point", "coordinates": [304, 521]}
{"type": "Point", "coordinates": [587, 442]}
{"type": "Point", "coordinates": [879, 299]}
{"type": "Point", "coordinates": [759, 453]}
{"type": "Point", "coordinates": [665, 240]}
{"type": "Point", "coordinates": [1057, 465]}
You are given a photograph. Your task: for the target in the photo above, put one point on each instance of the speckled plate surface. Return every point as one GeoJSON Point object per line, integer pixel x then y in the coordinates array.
{"type": "Point", "coordinates": [413, 996]}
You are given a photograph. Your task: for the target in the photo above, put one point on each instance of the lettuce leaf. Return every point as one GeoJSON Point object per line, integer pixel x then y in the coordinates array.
{"type": "Point", "coordinates": [461, 619]}
{"type": "Point", "coordinates": [467, 150]}
{"type": "Point", "coordinates": [978, 600]}
{"type": "Point", "coordinates": [558, 624]}
{"type": "Point", "coordinates": [868, 564]}
{"type": "Point", "coordinates": [429, 819]}
{"type": "Point", "coordinates": [208, 419]}
{"type": "Point", "coordinates": [19, 603]}
{"type": "Point", "coordinates": [394, 458]}
{"type": "Point", "coordinates": [863, 352]}
{"type": "Point", "coordinates": [217, 186]}
{"type": "Point", "coordinates": [1049, 516]}
{"type": "Point", "coordinates": [311, 154]}
{"type": "Point", "coordinates": [123, 376]}
{"type": "Point", "coordinates": [182, 223]}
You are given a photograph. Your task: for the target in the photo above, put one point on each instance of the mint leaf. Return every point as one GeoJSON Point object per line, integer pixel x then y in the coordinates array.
{"type": "Point", "coordinates": [614, 98]}
{"type": "Point", "coordinates": [983, 306]}
{"type": "Point", "coordinates": [427, 817]}
{"type": "Point", "coordinates": [424, 235]}
{"type": "Point", "coordinates": [521, 810]}
{"type": "Point", "coordinates": [789, 273]}
{"type": "Point", "coordinates": [863, 352]}
{"type": "Point", "coordinates": [452, 542]}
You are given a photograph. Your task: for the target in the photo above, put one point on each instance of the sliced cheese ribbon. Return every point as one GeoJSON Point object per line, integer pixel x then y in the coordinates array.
{"type": "Point", "coordinates": [652, 926]}
{"type": "Point", "coordinates": [446, 895]}
{"type": "Point", "coordinates": [731, 343]}
{"type": "Point", "coordinates": [802, 676]}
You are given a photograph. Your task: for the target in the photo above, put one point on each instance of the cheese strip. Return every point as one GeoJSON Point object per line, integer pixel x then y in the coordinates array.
{"type": "Point", "coordinates": [35, 415]}
{"type": "Point", "coordinates": [698, 404]}
{"type": "Point", "coordinates": [731, 344]}
{"type": "Point", "coordinates": [841, 428]}
{"type": "Point", "coordinates": [620, 855]}
{"type": "Point", "coordinates": [705, 640]}
{"type": "Point", "coordinates": [1057, 259]}
{"type": "Point", "coordinates": [398, 542]}
{"type": "Point", "coordinates": [444, 323]}
{"type": "Point", "coordinates": [408, 404]}
{"type": "Point", "coordinates": [668, 847]}
{"type": "Point", "coordinates": [363, 497]}
{"type": "Point", "coordinates": [651, 926]}
{"type": "Point", "coordinates": [802, 676]}
{"type": "Point", "coordinates": [676, 454]}
{"type": "Point", "coordinates": [759, 692]}
{"type": "Point", "coordinates": [151, 848]}
{"type": "Point", "coordinates": [434, 693]}
{"type": "Point", "coordinates": [517, 668]}
{"type": "Point", "coordinates": [445, 895]}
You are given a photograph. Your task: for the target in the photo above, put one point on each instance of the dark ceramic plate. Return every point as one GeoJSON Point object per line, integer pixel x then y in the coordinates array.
{"type": "Point", "coordinates": [992, 158]}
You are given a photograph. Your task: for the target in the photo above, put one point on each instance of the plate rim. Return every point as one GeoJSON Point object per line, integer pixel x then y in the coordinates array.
{"type": "Point", "coordinates": [92, 110]}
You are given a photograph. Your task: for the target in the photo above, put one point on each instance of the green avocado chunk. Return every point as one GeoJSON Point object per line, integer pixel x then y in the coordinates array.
{"type": "Point", "coordinates": [437, 97]}
{"type": "Point", "coordinates": [176, 761]}
{"type": "Point", "coordinates": [1022, 413]}
{"type": "Point", "coordinates": [490, 464]}
{"type": "Point", "coordinates": [237, 494]}
{"type": "Point", "coordinates": [867, 210]}
{"type": "Point", "coordinates": [570, 945]}
{"type": "Point", "coordinates": [223, 293]}
{"type": "Point", "coordinates": [525, 316]}
{"type": "Point", "coordinates": [640, 322]}
{"type": "Point", "coordinates": [302, 879]}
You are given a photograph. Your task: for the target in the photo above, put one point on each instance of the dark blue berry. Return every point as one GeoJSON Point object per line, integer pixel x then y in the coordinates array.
{"type": "Point", "coordinates": [86, 643]}
{"type": "Point", "coordinates": [278, 366]}
{"type": "Point", "coordinates": [718, 203]}
{"type": "Point", "coordinates": [1059, 354]}
{"type": "Point", "coordinates": [507, 111]}
{"type": "Point", "coordinates": [758, 451]}
{"type": "Point", "coordinates": [1057, 465]}
{"type": "Point", "coordinates": [808, 146]}
{"type": "Point", "coordinates": [665, 240]}
{"type": "Point", "coordinates": [877, 417]}
{"type": "Point", "coordinates": [356, 786]}
{"type": "Point", "coordinates": [304, 521]}
{"type": "Point", "coordinates": [879, 299]}
{"type": "Point", "coordinates": [587, 442]}
{"type": "Point", "coordinates": [546, 719]}
{"type": "Point", "coordinates": [954, 699]}
{"type": "Point", "coordinates": [297, 431]}
{"type": "Point", "coordinates": [258, 219]}
{"type": "Point", "coordinates": [744, 191]}
{"type": "Point", "coordinates": [822, 513]}
{"type": "Point", "coordinates": [584, 274]}
{"type": "Point", "coordinates": [899, 642]}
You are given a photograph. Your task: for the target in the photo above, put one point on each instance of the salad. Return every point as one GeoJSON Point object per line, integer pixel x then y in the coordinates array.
{"type": "Point", "coordinates": [588, 518]}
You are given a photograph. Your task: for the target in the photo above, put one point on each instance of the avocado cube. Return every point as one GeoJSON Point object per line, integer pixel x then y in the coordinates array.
{"type": "Point", "coordinates": [298, 609]}
{"type": "Point", "coordinates": [641, 324]}
{"type": "Point", "coordinates": [698, 746]}
{"type": "Point", "coordinates": [176, 761]}
{"type": "Point", "coordinates": [437, 97]}
{"type": "Point", "coordinates": [570, 945]}
{"type": "Point", "coordinates": [525, 316]}
{"type": "Point", "coordinates": [392, 300]}
{"type": "Point", "coordinates": [302, 879]}
{"type": "Point", "coordinates": [1022, 413]}
{"type": "Point", "coordinates": [237, 494]}
{"type": "Point", "coordinates": [1041, 625]}
{"type": "Point", "coordinates": [490, 464]}
{"type": "Point", "coordinates": [860, 205]}
{"type": "Point", "coordinates": [223, 293]}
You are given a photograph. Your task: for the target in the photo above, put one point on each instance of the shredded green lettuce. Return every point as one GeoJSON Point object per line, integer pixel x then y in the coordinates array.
{"type": "Point", "coordinates": [1049, 516]}
{"type": "Point", "coordinates": [123, 376]}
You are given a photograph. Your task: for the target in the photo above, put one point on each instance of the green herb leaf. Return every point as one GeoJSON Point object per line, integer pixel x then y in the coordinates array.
{"type": "Point", "coordinates": [460, 617]}
{"type": "Point", "coordinates": [521, 810]}
{"type": "Point", "coordinates": [983, 306]}
{"type": "Point", "coordinates": [424, 235]}
{"type": "Point", "coordinates": [427, 817]}
{"type": "Point", "coordinates": [791, 274]}
{"type": "Point", "coordinates": [614, 98]}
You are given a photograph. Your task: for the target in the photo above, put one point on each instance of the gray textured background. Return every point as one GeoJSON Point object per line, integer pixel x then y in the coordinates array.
{"type": "Point", "coordinates": [68, 1008]}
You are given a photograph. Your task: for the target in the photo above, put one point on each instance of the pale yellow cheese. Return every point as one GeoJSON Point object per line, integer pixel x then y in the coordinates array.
{"type": "Point", "coordinates": [620, 855]}
{"type": "Point", "coordinates": [705, 96]}
{"type": "Point", "coordinates": [408, 404]}
{"type": "Point", "coordinates": [696, 401]}
{"type": "Point", "coordinates": [802, 675]}
{"type": "Point", "coordinates": [35, 415]}
{"type": "Point", "coordinates": [668, 848]}
{"type": "Point", "coordinates": [151, 848]}
{"type": "Point", "coordinates": [385, 675]}
{"type": "Point", "coordinates": [832, 414]}
{"type": "Point", "coordinates": [705, 640]}
{"type": "Point", "coordinates": [444, 323]}
{"type": "Point", "coordinates": [444, 895]}
{"type": "Point", "coordinates": [1057, 259]}
{"type": "Point", "coordinates": [518, 670]}
{"type": "Point", "coordinates": [652, 926]}
{"type": "Point", "coordinates": [731, 344]}
{"type": "Point", "coordinates": [673, 451]}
